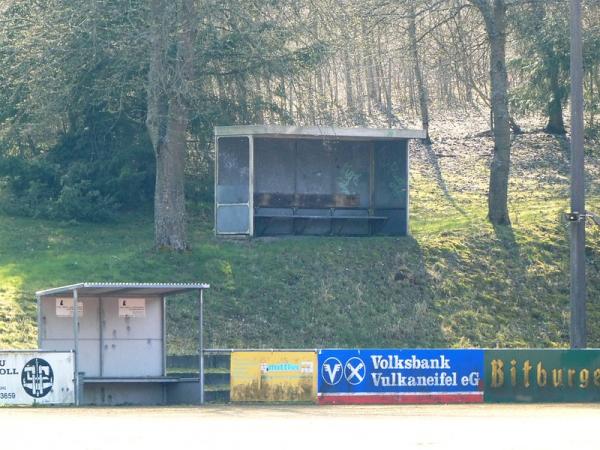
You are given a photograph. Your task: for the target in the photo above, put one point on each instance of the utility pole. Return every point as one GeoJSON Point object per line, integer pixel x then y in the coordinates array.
{"type": "Point", "coordinates": [577, 329]}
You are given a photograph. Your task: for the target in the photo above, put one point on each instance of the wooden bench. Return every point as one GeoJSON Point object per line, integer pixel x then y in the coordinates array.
{"type": "Point", "coordinates": [338, 209]}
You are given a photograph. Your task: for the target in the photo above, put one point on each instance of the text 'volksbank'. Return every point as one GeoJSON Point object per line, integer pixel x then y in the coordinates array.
{"type": "Point", "coordinates": [444, 376]}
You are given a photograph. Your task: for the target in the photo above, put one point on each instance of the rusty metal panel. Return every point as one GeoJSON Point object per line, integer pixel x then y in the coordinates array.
{"type": "Point", "coordinates": [526, 375]}
{"type": "Point", "coordinates": [278, 376]}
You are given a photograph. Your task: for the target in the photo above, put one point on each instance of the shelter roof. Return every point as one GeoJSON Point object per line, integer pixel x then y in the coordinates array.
{"type": "Point", "coordinates": [87, 289]}
{"type": "Point", "coordinates": [282, 131]}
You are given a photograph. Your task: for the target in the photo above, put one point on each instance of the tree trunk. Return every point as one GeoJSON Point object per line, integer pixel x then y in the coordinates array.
{"type": "Point", "coordinates": [422, 89]}
{"type": "Point", "coordinates": [555, 124]}
{"type": "Point", "coordinates": [388, 95]}
{"type": "Point", "coordinates": [495, 22]}
{"type": "Point", "coordinates": [169, 197]}
{"type": "Point", "coordinates": [592, 78]}
{"type": "Point", "coordinates": [242, 98]}
{"type": "Point", "coordinates": [166, 122]}
{"type": "Point", "coordinates": [348, 82]}
{"type": "Point", "coordinates": [551, 67]}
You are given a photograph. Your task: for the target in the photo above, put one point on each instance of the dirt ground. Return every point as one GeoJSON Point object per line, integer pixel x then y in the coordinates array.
{"type": "Point", "coordinates": [306, 427]}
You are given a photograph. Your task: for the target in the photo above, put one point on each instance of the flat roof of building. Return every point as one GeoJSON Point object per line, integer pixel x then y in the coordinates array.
{"type": "Point", "coordinates": [283, 131]}
{"type": "Point", "coordinates": [87, 289]}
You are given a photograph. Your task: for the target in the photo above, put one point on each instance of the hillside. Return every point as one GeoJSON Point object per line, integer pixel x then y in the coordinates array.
{"type": "Point", "coordinates": [456, 281]}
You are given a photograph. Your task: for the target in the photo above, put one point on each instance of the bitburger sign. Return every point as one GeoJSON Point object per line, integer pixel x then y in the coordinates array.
{"type": "Point", "coordinates": [34, 377]}
{"type": "Point", "coordinates": [526, 375]}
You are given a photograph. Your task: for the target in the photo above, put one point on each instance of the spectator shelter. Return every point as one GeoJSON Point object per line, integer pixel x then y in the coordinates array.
{"type": "Point", "coordinates": [119, 339]}
{"type": "Point", "coordinates": [277, 180]}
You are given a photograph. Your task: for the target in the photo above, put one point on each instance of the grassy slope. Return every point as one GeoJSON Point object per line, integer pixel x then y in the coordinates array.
{"type": "Point", "coordinates": [456, 282]}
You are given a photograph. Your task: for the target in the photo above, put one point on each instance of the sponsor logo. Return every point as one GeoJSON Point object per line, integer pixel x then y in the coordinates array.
{"type": "Point", "coordinates": [37, 378]}
{"type": "Point", "coordinates": [331, 371]}
{"type": "Point", "coordinates": [355, 370]}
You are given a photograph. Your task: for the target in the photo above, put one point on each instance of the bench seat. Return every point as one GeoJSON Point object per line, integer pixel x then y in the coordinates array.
{"type": "Point", "coordinates": [333, 221]}
{"type": "Point", "coordinates": [330, 217]}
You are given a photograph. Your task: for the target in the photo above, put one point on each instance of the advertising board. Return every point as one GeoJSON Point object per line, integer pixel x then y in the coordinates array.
{"type": "Point", "coordinates": [34, 377]}
{"type": "Point", "coordinates": [277, 376]}
{"type": "Point", "coordinates": [528, 375]}
{"type": "Point", "coordinates": [400, 376]}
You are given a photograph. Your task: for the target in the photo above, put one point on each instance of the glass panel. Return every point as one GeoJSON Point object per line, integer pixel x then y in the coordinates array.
{"type": "Point", "coordinates": [314, 170]}
{"type": "Point", "coordinates": [390, 175]}
{"type": "Point", "coordinates": [274, 166]}
{"type": "Point", "coordinates": [351, 170]}
{"type": "Point", "coordinates": [233, 219]}
{"type": "Point", "coordinates": [233, 172]}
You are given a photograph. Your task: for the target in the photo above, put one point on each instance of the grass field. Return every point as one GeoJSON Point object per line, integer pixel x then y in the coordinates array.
{"type": "Point", "coordinates": [456, 281]}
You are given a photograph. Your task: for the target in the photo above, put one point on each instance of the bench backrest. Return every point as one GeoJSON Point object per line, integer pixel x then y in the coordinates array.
{"type": "Point", "coordinates": [276, 200]}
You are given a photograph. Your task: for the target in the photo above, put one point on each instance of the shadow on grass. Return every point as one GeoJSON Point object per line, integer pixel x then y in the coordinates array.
{"type": "Point", "coordinates": [506, 235]}
{"type": "Point", "coordinates": [515, 266]}
{"type": "Point", "coordinates": [433, 159]}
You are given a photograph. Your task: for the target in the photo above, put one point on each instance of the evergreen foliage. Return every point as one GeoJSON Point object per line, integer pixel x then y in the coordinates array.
{"type": "Point", "coordinates": [74, 77]}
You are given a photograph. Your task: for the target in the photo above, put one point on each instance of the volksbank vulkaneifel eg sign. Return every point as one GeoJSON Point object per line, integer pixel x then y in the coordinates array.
{"type": "Point", "coordinates": [400, 376]}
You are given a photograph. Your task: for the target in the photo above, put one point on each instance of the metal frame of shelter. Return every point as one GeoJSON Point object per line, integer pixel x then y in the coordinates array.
{"type": "Point", "coordinates": [100, 290]}
{"type": "Point", "coordinates": [251, 132]}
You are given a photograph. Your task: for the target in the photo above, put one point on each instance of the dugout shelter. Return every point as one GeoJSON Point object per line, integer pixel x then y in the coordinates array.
{"type": "Point", "coordinates": [119, 339]}
{"type": "Point", "coordinates": [278, 180]}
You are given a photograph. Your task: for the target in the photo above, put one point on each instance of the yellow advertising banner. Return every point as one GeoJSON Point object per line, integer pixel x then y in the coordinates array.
{"type": "Point", "coordinates": [274, 376]}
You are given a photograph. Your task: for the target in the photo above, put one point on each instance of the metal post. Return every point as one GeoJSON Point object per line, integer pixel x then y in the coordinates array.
{"type": "Point", "coordinates": [101, 336]}
{"type": "Point", "coordinates": [201, 349]}
{"type": "Point", "coordinates": [407, 178]}
{"type": "Point", "coordinates": [76, 345]}
{"type": "Point", "coordinates": [164, 335]}
{"type": "Point", "coordinates": [163, 326]}
{"type": "Point", "coordinates": [39, 321]}
{"type": "Point", "coordinates": [578, 287]}
{"type": "Point", "coordinates": [371, 179]}
{"type": "Point", "coordinates": [216, 176]}
{"type": "Point", "coordinates": [251, 184]}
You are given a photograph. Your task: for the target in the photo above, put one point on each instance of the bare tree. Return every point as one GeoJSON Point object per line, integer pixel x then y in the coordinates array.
{"type": "Point", "coordinates": [421, 87]}
{"type": "Point", "coordinates": [494, 15]}
{"type": "Point", "coordinates": [167, 117]}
